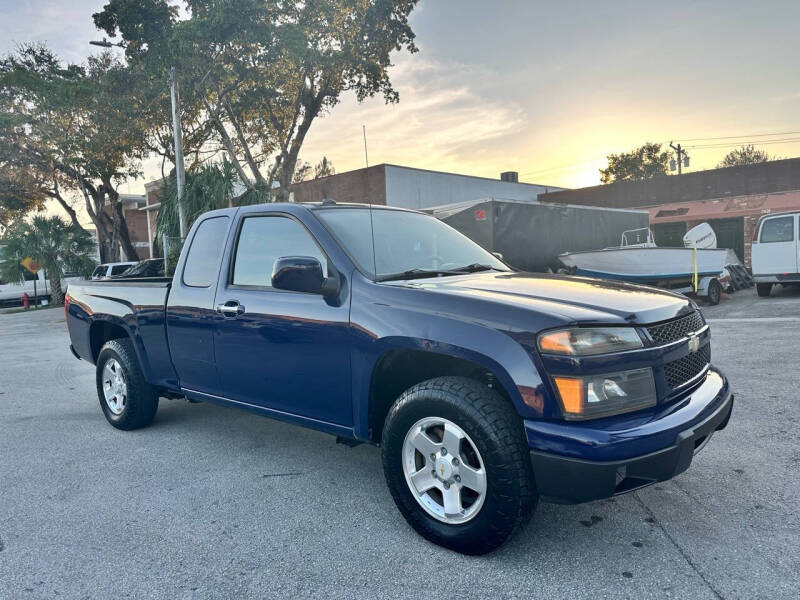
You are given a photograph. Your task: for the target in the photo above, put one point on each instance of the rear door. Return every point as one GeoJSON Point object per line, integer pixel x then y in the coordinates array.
{"type": "Point", "coordinates": [777, 250]}
{"type": "Point", "coordinates": [190, 306]}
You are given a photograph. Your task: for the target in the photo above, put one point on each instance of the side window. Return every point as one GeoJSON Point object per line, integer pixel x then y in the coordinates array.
{"type": "Point", "coordinates": [777, 230]}
{"type": "Point", "coordinates": [202, 262]}
{"type": "Point", "coordinates": [263, 240]}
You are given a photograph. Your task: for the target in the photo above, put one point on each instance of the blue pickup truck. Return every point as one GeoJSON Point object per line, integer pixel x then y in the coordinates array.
{"type": "Point", "coordinates": [486, 389]}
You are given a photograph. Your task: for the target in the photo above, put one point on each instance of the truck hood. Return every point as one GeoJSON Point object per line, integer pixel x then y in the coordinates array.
{"type": "Point", "coordinates": [577, 299]}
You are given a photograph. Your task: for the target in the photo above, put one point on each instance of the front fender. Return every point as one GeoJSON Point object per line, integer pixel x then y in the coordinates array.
{"type": "Point", "coordinates": [380, 327]}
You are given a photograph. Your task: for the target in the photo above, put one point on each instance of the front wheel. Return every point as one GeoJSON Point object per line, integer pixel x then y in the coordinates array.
{"type": "Point", "coordinates": [457, 464]}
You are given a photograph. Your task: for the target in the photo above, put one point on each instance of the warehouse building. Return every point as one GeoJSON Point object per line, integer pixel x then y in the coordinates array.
{"type": "Point", "coordinates": [731, 200]}
{"type": "Point", "coordinates": [406, 187]}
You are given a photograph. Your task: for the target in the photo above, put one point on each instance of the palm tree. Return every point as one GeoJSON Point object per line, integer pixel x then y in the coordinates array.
{"type": "Point", "coordinates": [58, 247]}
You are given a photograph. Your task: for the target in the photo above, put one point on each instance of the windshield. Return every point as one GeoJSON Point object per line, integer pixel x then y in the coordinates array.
{"type": "Point", "coordinates": [406, 243]}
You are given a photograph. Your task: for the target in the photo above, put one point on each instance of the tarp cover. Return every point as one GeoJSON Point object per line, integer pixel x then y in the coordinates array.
{"type": "Point", "coordinates": [530, 236]}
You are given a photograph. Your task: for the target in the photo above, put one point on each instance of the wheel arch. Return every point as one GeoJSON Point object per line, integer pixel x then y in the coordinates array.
{"type": "Point", "coordinates": [401, 367]}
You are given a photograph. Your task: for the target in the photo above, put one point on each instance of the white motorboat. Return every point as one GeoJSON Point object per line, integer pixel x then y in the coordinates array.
{"type": "Point", "coordinates": [638, 259]}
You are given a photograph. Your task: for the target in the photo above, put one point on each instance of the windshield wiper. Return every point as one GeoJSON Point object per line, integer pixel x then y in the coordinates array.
{"type": "Point", "coordinates": [474, 268]}
{"type": "Point", "coordinates": [414, 274]}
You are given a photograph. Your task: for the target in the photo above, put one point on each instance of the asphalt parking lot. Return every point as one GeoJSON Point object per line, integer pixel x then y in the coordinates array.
{"type": "Point", "coordinates": [211, 502]}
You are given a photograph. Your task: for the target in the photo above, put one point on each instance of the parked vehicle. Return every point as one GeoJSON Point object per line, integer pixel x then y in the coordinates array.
{"type": "Point", "coordinates": [775, 252]}
{"type": "Point", "coordinates": [639, 260]}
{"type": "Point", "coordinates": [36, 286]}
{"type": "Point", "coordinates": [110, 269]}
{"type": "Point", "coordinates": [487, 389]}
{"type": "Point", "coordinates": [152, 267]}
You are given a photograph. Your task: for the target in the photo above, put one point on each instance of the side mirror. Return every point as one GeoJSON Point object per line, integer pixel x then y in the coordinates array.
{"type": "Point", "coordinates": [302, 274]}
{"type": "Point", "coordinates": [498, 255]}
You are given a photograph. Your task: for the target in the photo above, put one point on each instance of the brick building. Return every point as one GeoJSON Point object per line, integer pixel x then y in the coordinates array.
{"type": "Point", "coordinates": [731, 200]}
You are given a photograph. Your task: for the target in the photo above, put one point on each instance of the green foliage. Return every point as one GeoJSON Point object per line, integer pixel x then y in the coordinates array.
{"type": "Point", "coordinates": [57, 246]}
{"type": "Point", "coordinates": [77, 128]}
{"type": "Point", "coordinates": [261, 71]}
{"type": "Point", "coordinates": [209, 187]}
{"type": "Point", "coordinates": [746, 155]}
{"type": "Point", "coordinates": [645, 162]}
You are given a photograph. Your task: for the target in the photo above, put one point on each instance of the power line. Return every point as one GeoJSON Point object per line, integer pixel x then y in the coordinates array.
{"type": "Point", "coordinates": [745, 142]}
{"type": "Point", "coordinates": [747, 135]}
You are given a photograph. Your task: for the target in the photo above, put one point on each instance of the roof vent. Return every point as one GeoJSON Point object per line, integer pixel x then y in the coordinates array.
{"type": "Point", "coordinates": [509, 176]}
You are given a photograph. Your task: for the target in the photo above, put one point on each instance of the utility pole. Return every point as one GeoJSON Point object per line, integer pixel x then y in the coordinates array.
{"type": "Point", "coordinates": [366, 158]}
{"type": "Point", "coordinates": [180, 175]}
{"type": "Point", "coordinates": [683, 158]}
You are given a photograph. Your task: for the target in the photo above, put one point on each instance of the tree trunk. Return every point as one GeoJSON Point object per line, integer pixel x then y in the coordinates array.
{"type": "Point", "coordinates": [56, 293]}
{"type": "Point", "coordinates": [121, 233]}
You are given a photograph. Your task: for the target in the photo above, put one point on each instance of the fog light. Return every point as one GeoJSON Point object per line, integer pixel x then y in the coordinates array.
{"type": "Point", "coordinates": [604, 395]}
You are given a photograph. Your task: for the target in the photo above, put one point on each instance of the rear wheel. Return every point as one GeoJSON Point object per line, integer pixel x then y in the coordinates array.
{"type": "Point", "coordinates": [127, 400]}
{"type": "Point", "coordinates": [457, 464]}
{"type": "Point", "coordinates": [763, 289]}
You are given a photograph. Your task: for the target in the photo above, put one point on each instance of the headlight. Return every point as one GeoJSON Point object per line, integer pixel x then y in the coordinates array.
{"type": "Point", "coordinates": [583, 341]}
{"type": "Point", "coordinates": [604, 395]}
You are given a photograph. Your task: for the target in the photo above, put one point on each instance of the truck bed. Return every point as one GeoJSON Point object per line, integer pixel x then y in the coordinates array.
{"type": "Point", "coordinates": [136, 306]}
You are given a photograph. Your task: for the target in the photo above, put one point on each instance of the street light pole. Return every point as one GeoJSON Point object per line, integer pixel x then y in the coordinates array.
{"type": "Point", "coordinates": [180, 175]}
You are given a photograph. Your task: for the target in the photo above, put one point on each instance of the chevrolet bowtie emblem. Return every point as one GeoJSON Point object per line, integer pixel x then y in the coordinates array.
{"type": "Point", "coordinates": [694, 343]}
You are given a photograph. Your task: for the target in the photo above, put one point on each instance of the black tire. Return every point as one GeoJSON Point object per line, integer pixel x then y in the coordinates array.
{"type": "Point", "coordinates": [714, 292]}
{"type": "Point", "coordinates": [141, 399]}
{"type": "Point", "coordinates": [496, 430]}
{"type": "Point", "coordinates": [763, 289]}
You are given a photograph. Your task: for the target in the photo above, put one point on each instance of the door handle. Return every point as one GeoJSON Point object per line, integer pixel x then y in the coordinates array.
{"type": "Point", "coordinates": [231, 308]}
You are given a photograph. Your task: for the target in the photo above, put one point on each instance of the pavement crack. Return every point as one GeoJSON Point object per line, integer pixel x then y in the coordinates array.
{"type": "Point", "coordinates": [290, 474]}
{"type": "Point", "coordinates": [654, 520]}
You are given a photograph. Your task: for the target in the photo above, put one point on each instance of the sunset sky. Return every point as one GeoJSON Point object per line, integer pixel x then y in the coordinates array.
{"type": "Point", "coordinates": [544, 88]}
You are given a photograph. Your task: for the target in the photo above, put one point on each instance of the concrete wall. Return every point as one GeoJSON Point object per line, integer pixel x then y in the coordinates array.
{"type": "Point", "coordinates": [417, 188]}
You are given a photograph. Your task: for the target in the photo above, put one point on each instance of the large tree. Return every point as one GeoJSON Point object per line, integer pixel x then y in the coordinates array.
{"type": "Point", "coordinates": [746, 155]}
{"type": "Point", "coordinates": [645, 162]}
{"type": "Point", "coordinates": [73, 130]}
{"type": "Point", "coordinates": [261, 71]}
{"type": "Point", "coordinates": [57, 247]}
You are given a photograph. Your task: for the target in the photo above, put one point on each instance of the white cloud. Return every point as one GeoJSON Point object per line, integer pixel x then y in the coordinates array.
{"type": "Point", "coordinates": [442, 119]}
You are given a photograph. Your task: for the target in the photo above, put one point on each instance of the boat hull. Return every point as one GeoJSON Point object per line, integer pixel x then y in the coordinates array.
{"type": "Point", "coordinates": [646, 264]}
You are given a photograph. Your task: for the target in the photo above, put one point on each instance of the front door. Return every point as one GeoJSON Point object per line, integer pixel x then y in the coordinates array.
{"type": "Point", "coordinates": [288, 351]}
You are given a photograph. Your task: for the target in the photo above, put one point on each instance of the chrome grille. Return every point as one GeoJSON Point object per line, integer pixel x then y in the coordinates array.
{"type": "Point", "coordinates": [687, 368]}
{"type": "Point", "coordinates": [664, 333]}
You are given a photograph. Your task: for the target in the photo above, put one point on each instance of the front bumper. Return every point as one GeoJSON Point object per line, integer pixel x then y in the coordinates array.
{"type": "Point", "coordinates": [579, 463]}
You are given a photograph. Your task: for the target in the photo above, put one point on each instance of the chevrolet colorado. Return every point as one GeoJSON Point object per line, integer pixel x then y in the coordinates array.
{"type": "Point", "coordinates": [486, 389]}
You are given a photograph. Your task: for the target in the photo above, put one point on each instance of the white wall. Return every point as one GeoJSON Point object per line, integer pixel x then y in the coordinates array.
{"type": "Point", "coordinates": [416, 188]}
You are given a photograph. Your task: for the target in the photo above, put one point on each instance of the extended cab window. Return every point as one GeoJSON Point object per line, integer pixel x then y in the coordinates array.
{"type": "Point", "coordinates": [202, 262]}
{"type": "Point", "coordinates": [777, 230]}
{"type": "Point", "coordinates": [263, 240]}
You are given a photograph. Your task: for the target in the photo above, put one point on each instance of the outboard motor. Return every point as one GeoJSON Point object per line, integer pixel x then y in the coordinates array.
{"type": "Point", "coordinates": [700, 236]}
